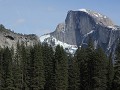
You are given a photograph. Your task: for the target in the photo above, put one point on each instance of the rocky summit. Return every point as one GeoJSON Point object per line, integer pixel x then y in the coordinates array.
{"type": "Point", "coordinates": [81, 24]}
{"type": "Point", "coordinates": [9, 38]}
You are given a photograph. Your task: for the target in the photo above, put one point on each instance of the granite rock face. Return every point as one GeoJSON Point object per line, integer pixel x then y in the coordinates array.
{"type": "Point", "coordinates": [8, 38]}
{"type": "Point", "coordinates": [59, 33]}
{"type": "Point", "coordinates": [81, 24]}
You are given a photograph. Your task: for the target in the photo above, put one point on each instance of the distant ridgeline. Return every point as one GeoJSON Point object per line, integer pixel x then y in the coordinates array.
{"type": "Point", "coordinates": [9, 38]}
{"type": "Point", "coordinates": [81, 24]}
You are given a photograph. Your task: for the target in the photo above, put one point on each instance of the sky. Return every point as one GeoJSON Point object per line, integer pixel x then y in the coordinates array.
{"type": "Point", "coordinates": [42, 16]}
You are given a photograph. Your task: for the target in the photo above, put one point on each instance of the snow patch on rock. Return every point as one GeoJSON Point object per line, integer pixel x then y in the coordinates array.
{"type": "Point", "coordinates": [54, 42]}
{"type": "Point", "coordinates": [83, 10]}
{"type": "Point", "coordinates": [112, 27]}
{"type": "Point", "coordinates": [43, 37]}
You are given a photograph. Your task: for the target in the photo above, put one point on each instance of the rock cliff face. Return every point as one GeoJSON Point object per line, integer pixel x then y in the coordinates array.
{"type": "Point", "coordinates": [9, 38]}
{"type": "Point", "coordinates": [59, 32]}
{"type": "Point", "coordinates": [81, 24]}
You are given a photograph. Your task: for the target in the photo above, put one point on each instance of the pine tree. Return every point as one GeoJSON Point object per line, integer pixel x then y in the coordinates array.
{"type": "Point", "coordinates": [116, 80]}
{"type": "Point", "coordinates": [48, 57]}
{"type": "Point", "coordinates": [7, 70]}
{"type": "Point", "coordinates": [93, 68]}
{"type": "Point", "coordinates": [23, 66]}
{"type": "Point", "coordinates": [17, 68]}
{"type": "Point", "coordinates": [90, 64]}
{"type": "Point", "coordinates": [1, 68]}
{"type": "Point", "coordinates": [74, 74]}
{"type": "Point", "coordinates": [110, 73]}
{"type": "Point", "coordinates": [39, 78]}
{"type": "Point", "coordinates": [100, 70]}
{"type": "Point", "coordinates": [81, 56]}
{"type": "Point", "coordinates": [29, 67]}
{"type": "Point", "coordinates": [85, 58]}
{"type": "Point", "coordinates": [61, 69]}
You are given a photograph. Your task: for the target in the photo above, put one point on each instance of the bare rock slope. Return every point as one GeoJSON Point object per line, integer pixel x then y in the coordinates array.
{"type": "Point", "coordinates": [8, 38]}
{"type": "Point", "coordinates": [81, 24]}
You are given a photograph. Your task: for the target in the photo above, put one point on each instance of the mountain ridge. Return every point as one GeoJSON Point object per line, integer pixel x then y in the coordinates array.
{"type": "Point", "coordinates": [81, 24]}
{"type": "Point", "coordinates": [9, 38]}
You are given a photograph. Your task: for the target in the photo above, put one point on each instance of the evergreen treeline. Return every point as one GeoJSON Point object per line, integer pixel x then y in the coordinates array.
{"type": "Point", "coordinates": [39, 67]}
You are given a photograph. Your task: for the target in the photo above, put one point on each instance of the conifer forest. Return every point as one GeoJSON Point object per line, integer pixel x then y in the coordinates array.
{"type": "Point", "coordinates": [40, 67]}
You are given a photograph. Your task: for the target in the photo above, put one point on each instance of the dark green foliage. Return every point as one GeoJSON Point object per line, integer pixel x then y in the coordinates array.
{"type": "Point", "coordinates": [22, 70]}
{"type": "Point", "coordinates": [1, 70]}
{"type": "Point", "coordinates": [100, 70]}
{"type": "Point", "coordinates": [49, 63]}
{"type": "Point", "coordinates": [17, 68]}
{"type": "Point", "coordinates": [110, 73]}
{"type": "Point", "coordinates": [39, 67]}
{"type": "Point", "coordinates": [93, 68]}
{"type": "Point", "coordinates": [90, 65]}
{"type": "Point", "coordinates": [74, 74]}
{"type": "Point", "coordinates": [61, 69]}
{"type": "Point", "coordinates": [86, 60]}
{"type": "Point", "coordinates": [116, 81]}
{"type": "Point", "coordinates": [24, 67]}
{"type": "Point", "coordinates": [81, 59]}
{"type": "Point", "coordinates": [6, 66]}
{"type": "Point", "coordinates": [2, 27]}
{"type": "Point", "coordinates": [39, 78]}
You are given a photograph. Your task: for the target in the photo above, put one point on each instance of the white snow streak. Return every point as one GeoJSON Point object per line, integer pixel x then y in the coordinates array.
{"type": "Point", "coordinates": [69, 48]}
{"type": "Point", "coordinates": [43, 37]}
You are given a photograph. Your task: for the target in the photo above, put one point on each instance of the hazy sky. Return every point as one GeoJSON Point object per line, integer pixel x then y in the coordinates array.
{"type": "Point", "coordinates": [42, 16]}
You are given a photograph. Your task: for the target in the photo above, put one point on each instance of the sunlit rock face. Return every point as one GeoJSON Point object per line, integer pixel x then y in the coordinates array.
{"type": "Point", "coordinates": [82, 24]}
{"type": "Point", "coordinates": [9, 38]}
